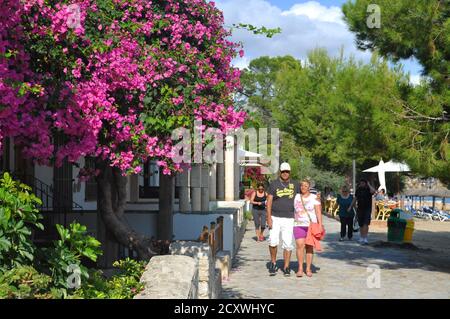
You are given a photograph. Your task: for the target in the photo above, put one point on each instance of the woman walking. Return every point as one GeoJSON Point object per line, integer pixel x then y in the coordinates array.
{"type": "Point", "coordinates": [346, 214]}
{"type": "Point", "coordinates": [307, 211]}
{"type": "Point", "coordinates": [258, 200]}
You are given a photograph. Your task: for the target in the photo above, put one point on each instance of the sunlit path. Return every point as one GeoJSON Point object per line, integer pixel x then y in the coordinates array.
{"type": "Point", "coordinates": [340, 271]}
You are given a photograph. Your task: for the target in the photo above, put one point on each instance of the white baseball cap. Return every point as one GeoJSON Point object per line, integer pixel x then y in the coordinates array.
{"type": "Point", "coordinates": [285, 167]}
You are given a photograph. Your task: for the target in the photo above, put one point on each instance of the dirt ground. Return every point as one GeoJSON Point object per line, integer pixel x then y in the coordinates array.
{"type": "Point", "coordinates": [431, 240]}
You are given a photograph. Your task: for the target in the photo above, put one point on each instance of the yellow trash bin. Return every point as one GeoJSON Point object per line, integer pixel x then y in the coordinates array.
{"type": "Point", "coordinates": [407, 238]}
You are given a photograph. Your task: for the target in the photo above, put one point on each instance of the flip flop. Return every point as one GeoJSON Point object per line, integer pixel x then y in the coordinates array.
{"type": "Point", "coordinates": [299, 274]}
{"type": "Point", "coordinates": [309, 273]}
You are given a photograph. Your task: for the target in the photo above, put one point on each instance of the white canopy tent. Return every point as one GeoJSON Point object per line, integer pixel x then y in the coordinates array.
{"type": "Point", "coordinates": [383, 167]}
{"type": "Point", "coordinates": [248, 159]}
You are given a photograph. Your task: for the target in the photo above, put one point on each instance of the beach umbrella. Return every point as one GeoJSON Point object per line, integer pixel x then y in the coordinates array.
{"type": "Point", "coordinates": [381, 174]}
{"type": "Point", "coordinates": [395, 167]}
{"type": "Point", "coordinates": [383, 167]}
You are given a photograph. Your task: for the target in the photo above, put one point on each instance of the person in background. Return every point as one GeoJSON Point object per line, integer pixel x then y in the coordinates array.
{"type": "Point", "coordinates": [363, 200]}
{"type": "Point", "coordinates": [381, 195]}
{"type": "Point", "coordinates": [346, 215]}
{"type": "Point", "coordinates": [313, 190]}
{"type": "Point", "coordinates": [258, 199]}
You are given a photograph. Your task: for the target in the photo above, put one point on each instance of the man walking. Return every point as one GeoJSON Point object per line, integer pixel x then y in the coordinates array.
{"type": "Point", "coordinates": [280, 217]}
{"type": "Point", "coordinates": [363, 198]}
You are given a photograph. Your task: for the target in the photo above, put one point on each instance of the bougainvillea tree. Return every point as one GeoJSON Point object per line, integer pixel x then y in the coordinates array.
{"type": "Point", "coordinates": [112, 79]}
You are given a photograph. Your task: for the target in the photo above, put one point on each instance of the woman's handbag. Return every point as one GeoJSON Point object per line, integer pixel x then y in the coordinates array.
{"type": "Point", "coordinates": [355, 221]}
{"type": "Point", "coordinates": [314, 228]}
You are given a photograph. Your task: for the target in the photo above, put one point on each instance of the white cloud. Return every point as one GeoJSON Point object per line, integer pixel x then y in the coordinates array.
{"type": "Point", "coordinates": [315, 11]}
{"type": "Point", "coordinates": [304, 27]}
{"type": "Point", "coordinates": [415, 79]}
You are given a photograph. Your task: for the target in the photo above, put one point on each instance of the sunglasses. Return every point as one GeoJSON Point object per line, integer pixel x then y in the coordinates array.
{"type": "Point", "coordinates": [282, 172]}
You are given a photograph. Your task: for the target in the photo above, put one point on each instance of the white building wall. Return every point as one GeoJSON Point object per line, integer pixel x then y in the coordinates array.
{"type": "Point", "coordinates": [79, 189]}
{"type": "Point", "coordinates": [188, 226]}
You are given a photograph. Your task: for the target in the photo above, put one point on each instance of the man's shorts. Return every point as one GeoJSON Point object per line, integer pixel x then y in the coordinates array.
{"type": "Point", "coordinates": [364, 216]}
{"type": "Point", "coordinates": [285, 227]}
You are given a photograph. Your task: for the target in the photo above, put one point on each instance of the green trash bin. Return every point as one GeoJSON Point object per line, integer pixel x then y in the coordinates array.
{"type": "Point", "coordinates": [396, 227]}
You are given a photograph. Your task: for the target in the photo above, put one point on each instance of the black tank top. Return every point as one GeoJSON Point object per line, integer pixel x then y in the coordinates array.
{"type": "Point", "coordinates": [261, 200]}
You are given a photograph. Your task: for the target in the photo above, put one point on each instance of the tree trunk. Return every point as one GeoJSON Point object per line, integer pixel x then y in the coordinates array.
{"type": "Point", "coordinates": [111, 204]}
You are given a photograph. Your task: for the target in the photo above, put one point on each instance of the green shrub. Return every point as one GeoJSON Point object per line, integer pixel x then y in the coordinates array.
{"type": "Point", "coordinates": [27, 272]}
{"type": "Point", "coordinates": [124, 285]}
{"type": "Point", "coordinates": [66, 255]}
{"type": "Point", "coordinates": [24, 282]}
{"type": "Point", "coordinates": [248, 215]}
{"type": "Point", "coordinates": [18, 214]}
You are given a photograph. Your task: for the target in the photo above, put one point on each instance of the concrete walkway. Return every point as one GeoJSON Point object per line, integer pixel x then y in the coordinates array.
{"type": "Point", "coordinates": [340, 271]}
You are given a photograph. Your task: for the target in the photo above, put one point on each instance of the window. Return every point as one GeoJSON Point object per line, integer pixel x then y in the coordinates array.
{"type": "Point", "coordinates": [149, 181]}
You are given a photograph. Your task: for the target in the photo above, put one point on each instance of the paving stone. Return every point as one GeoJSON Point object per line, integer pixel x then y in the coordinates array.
{"type": "Point", "coordinates": [340, 272]}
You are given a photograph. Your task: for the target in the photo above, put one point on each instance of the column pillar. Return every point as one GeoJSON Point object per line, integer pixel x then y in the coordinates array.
{"type": "Point", "coordinates": [196, 193]}
{"type": "Point", "coordinates": [213, 182]}
{"type": "Point", "coordinates": [205, 187]}
{"type": "Point", "coordinates": [229, 168]}
{"type": "Point", "coordinates": [220, 192]}
{"type": "Point", "coordinates": [237, 171]}
{"type": "Point", "coordinates": [182, 181]}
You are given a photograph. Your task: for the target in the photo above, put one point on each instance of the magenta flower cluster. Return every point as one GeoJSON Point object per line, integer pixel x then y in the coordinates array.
{"type": "Point", "coordinates": [79, 80]}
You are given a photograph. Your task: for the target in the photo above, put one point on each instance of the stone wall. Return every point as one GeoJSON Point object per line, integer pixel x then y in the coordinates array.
{"type": "Point", "coordinates": [170, 277]}
{"type": "Point", "coordinates": [209, 279]}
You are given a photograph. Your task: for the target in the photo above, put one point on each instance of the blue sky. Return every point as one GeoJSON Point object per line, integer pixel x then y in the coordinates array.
{"type": "Point", "coordinates": [306, 25]}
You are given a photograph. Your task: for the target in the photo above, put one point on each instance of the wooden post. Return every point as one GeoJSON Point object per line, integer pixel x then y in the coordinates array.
{"type": "Point", "coordinates": [212, 239]}
{"type": "Point", "coordinates": [220, 234]}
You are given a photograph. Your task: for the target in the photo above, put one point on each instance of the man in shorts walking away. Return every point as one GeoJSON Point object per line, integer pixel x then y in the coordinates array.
{"type": "Point", "coordinates": [363, 198]}
{"type": "Point", "coordinates": [280, 217]}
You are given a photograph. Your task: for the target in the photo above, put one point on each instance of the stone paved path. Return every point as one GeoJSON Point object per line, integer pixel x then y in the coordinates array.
{"type": "Point", "coordinates": [340, 271]}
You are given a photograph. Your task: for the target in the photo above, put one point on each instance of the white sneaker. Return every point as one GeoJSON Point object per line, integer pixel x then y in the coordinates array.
{"type": "Point", "coordinates": [365, 241]}
{"type": "Point", "coordinates": [360, 240]}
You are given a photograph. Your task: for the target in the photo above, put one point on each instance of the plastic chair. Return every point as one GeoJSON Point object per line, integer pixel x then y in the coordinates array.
{"type": "Point", "coordinates": [383, 212]}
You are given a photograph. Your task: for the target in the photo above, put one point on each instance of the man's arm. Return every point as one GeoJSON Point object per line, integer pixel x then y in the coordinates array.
{"type": "Point", "coordinates": [269, 210]}
{"type": "Point", "coordinates": [372, 189]}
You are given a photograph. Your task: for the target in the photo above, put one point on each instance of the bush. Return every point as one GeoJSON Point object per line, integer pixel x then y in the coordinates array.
{"type": "Point", "coordinates": [24, 282]}
{"type": "Point", "coordinates": [28, 272]}
{"type": "Point", "coordinates": [63, 261]}
{"type": "Point", "coordinates": [18, 214]}
{"type": "Point", "coordinates": [124, 285]}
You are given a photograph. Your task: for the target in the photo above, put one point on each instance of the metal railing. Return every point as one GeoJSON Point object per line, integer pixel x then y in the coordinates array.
{"type": "Point", "coordinates": [45, 193]}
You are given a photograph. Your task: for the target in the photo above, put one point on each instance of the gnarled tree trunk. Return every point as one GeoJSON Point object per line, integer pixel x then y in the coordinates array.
{"type": "Point", "coordinates": [111, 204]}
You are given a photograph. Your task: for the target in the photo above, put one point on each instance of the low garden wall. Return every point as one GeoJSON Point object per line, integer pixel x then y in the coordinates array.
{"type": "Point", "coordinates": [170, 277]}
